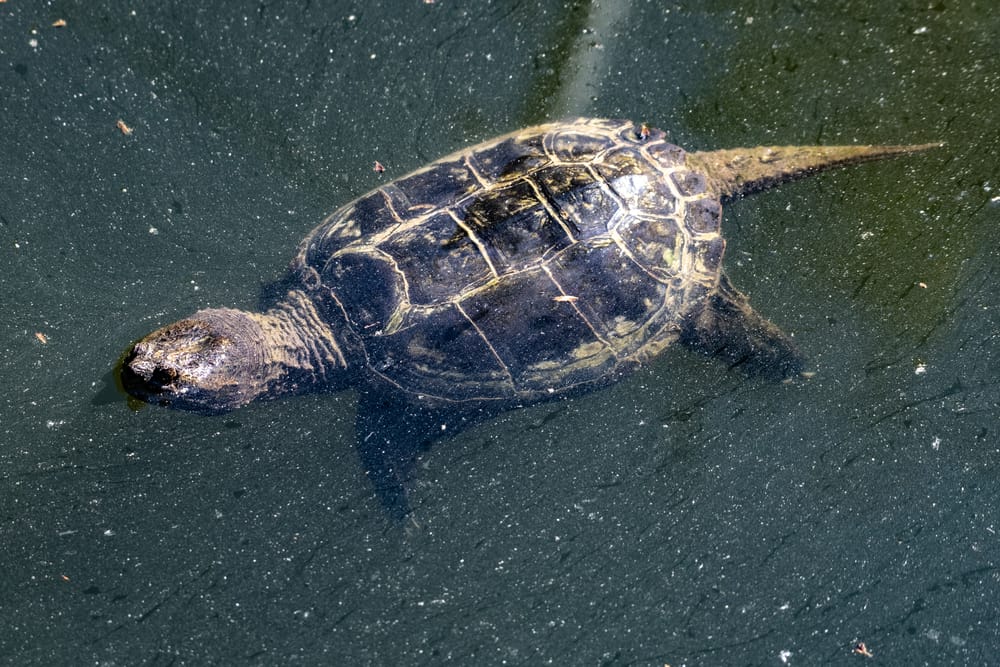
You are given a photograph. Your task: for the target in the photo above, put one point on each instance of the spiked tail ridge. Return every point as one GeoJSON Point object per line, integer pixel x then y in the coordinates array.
{"type": "Point", "coordinates": [740, 171]}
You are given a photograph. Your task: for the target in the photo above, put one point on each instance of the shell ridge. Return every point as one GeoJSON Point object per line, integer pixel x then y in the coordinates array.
{"type": "Point", "coordinates": [483, 182]}
{"type": "Point", "coordinates": [478, 242]}
{"type": "Point", "coordinates": [550, 209]}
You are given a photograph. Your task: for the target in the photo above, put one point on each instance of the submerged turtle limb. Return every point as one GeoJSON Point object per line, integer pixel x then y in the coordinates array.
{"type": "Point", "coordinates": [728, 328]}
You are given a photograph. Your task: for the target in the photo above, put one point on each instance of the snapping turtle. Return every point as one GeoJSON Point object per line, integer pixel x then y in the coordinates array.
{"type": "Point", "coordinates": [549, 260]}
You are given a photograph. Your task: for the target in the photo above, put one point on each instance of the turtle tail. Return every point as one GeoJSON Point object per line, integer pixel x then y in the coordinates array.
{"type": "Point", "coordinates": [740, 171]}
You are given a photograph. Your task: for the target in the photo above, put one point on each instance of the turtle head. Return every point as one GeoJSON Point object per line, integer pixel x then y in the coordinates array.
{"type": "Point", "coordinates": [211, 362]}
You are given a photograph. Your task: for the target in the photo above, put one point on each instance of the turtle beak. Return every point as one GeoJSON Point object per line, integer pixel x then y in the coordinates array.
{"type": "Point", "coordinates": [145, 379]}
{"type": "Point", "coordinates": [148, 376]}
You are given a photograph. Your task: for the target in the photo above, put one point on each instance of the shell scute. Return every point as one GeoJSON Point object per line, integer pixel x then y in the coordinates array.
{"type": "Point", "coordinates": [707, 254]}
{"type": "Point", "coordinates": [379, 210]}
{"type": "Point", "coordinates": [514, 225]}
{"type": "Point", "coordinates": [689, 183]}
{"type": "Point", "coordinates": [510, 158]}
{"type": "Point", "coordinates": [580, 199]}
{"type": "Point", "coordinates": [703, 216]}
{"type": "Point", "coordinates": [613, 293]}
{"type": "Point", "coordinates": [665, 154]}
{"type": "Point", "coordinates": [432, 270]}
{"type": "Point", "coordinates": [658, 245]}
{"type": "Point", "coordinates": [367, 285]}
{"type": "Point", "coordinates": [437, 185]}
{"type": "Point", "coordinates": [577, 145]}
{"type": "Point", "coordinates": [528, 327]}
{"type": "Point", "coordinates": [631, 178]}
{"type": "Point", "coordinates": [437, 359]}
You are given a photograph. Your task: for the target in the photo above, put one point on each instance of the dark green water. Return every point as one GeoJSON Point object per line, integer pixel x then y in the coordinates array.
{"type": "Point", "coordinates": [685, 516]}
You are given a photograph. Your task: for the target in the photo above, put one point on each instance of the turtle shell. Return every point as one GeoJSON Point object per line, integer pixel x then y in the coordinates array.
{"type": "Point", "coordinates": [553, 257]}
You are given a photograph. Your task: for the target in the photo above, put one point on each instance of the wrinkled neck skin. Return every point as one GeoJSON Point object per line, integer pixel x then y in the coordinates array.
{"type": "Point", "coordinates": [221, 358]}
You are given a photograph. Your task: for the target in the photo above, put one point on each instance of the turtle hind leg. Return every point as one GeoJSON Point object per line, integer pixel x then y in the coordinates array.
{"type": "Point", "coordinates": [728, 328]}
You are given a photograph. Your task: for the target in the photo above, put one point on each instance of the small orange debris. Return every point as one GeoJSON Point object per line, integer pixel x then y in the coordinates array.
{"type": "Point", "coordinates": [126, 130]}
{"type": "Point", "coordinates": [378, 168]}
{"type": "Point", "coordinates": [41, 338]}
{"type": "Point", "coordinates": [644, 132]}
{"type": "Point", "coordinates": [59, 23]}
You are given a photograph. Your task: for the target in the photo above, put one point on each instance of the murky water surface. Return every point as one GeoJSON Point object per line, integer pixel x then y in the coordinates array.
{"type": "Point", "coordinates": [688, 515]}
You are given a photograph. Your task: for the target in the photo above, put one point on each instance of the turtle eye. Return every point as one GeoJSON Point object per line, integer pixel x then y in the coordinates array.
{"type": "Point", "coordinates": [162, 377]}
